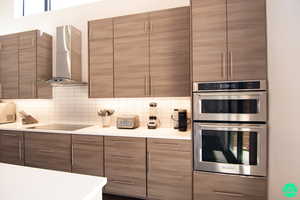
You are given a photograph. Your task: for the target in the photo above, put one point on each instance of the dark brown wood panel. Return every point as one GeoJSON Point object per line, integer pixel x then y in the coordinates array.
{"type": "Point", "coordinates": [125, 166]}
{"type": "Point", "coordinates": [209, 40]}
{"type": "Point", "coordinates": [212, 186]}
{"type": "Point", "coordinates": [87, 155]}
{"type": "Point", "coordinates": [169, 169]}
{"type": "Point", "coordinates": [48, 150]}
{"type": "Point", "coordinates": [101, 59]}
{"type": "Point", "coordinates": [247, 44]}
{"type": "Point", "coordinates": [12, 147]}
{"type": "Point", "coordinates": [170, 52]}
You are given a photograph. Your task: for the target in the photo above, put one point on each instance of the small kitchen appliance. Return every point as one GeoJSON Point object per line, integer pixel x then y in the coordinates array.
{"type": "Point", "coordinates": [175, 118]}
{"type": "Point", "coordinates": [7, 112]}
{"type": "Point", "coordinates": [128, 122]}
{"type": "Point", "coordinates": [153, 121]}
{"type": "Point", "coordinates": [182, 120]}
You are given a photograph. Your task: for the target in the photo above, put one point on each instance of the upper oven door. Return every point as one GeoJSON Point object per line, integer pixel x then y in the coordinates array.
{"type": "Point", "coordinates": [231, 148]}
{"type": "Point", "coordinates": [230, 106]}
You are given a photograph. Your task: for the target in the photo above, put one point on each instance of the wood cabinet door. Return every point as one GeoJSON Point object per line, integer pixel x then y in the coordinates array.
{"type": "Point", "coordinates": [209, 40]}
{"type": "Point", "coordinates": [125, 166]}
{"type": "Point", "coordinates": [9, 66]}
{"type": "Point", "coordinates": [169, 169]}
{"type": "Point", "coordinates": [87, 155]}
{"type": "Point", "coordinates": [247, 44]}
{"type": "Point", "coordinates": [101, 59]}
{"type": "Point", "coordinates": [48, 150]}
{"type": "Point", "coordinates": [169, 52]}
{"type": "Point", "coordinates": [12, 147]}
{"type": "Point", "coordinates": [213, 186]}
{"type": "Point", "coordinates": [131, 56]}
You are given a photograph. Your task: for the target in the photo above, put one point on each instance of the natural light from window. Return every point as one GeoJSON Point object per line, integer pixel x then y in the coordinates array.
{"type": "Point", "coordinates": [33, 7]}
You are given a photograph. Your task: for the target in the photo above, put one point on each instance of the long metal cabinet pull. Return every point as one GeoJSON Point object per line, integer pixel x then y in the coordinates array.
{"type": "Point", "coordinates": [231, 65]}
{"type": "Point", "coordinates": [150, 85]}
{"type": "Point", "coordinates": [145, 27]}
{"type": "Point", "coordinates": [229, 194]}
{"type": "Point", "coordinates": [223, 65]}
{"type": "Point", "coordinates": [145, 85]}
{"type": "Point", "coordinates": [20, 149]}
{"type": "Point", "coordinates": [72, 155]}
{"type": "Point", "coordinates": [10, 135]}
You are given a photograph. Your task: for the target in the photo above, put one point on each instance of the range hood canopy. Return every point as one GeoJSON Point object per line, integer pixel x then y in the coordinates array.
{"type": "Point", "coordinates": [68, 57]}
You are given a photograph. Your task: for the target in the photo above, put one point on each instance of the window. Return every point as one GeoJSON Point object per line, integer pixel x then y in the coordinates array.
{"type": "Point", "coordinates": [31, 7]}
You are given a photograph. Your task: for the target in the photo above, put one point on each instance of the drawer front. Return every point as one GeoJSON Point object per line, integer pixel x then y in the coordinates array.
{"type": "Point", "coordinates": [228, 187]}
{"type": "Point", "coordinates": [12, 147]}
{"type": "Point", "coordinates": [49, 151]}
{"type": "Point", "coordinates": [170, 145]}
{"type": "Point", "coordinates": [125, 166]}
{"type": "Point", "coordinates": [87, 155]}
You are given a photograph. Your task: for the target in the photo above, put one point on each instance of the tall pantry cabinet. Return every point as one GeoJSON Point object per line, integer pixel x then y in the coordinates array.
{"type": "Point", "coordinates": [25, 65]}
{"type": "Point", "coordinates": [229, 40]}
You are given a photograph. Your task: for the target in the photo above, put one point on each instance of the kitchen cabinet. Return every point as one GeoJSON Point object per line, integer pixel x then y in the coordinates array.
{"type": "Point", "coordinates": [125, 166]}
{"type": "Point", "coordinates": [12, 147]}
{"type": "Point", "coordinates": [169, 174]}
{"type": "Point", "coordinates": [170, 52]}
{"type": "Point", "coordinates": [213, 186]}
{"type": "Point", "coordinates": [87, 155]}
{"type": "Point", "coordinates": [48, 150]}
{"type": "Point", "coordinates": [101, 59]}
{"type": "Point", "coordinates": [26, 65]}
{"type": "Point", "coordinates": [229, 40]}
{"type": "Point", "coordinates": [131, 56]}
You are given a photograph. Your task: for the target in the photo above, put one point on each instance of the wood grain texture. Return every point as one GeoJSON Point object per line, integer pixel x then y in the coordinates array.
{"type": "Point", "coordinates": [76, 54]}
{"type": "Point", "coordinates": [212, 186]}
{"type": "Point", "coordinates": [209, 40]}
{"type": "Point", "coordinates": [27, 39]}
{"type": "Point", "coordinates": [247, 39]}
{"type": "Point", "coordinates": [101, 59]}
{"type": "Point", "coordinates": [169, 52]}
{"type": "Point", "coordinates": [169, 169]}
{"type": "Point", "coordinates": [125, 166]}
{"type": "Point", "coordinates": [88, 155]}
{"type": "Point", "coordinates": [12, 147]}
{"type": "Point", "coordinates": [131, 56]}
{"type": "Point", "coordinates": [49, 151]}
{"type": "Point", "coordinates": [44, 66]}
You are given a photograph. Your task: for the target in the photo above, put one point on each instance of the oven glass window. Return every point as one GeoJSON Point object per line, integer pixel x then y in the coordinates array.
{"type": "Point", "coordinates": [240, 106]}
{"type": "Point", "coordinates": [232, 147]}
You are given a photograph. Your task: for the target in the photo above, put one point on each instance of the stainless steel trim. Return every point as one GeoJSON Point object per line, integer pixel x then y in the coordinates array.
{"type": "Point", "coordinates": [260, 96]}
{"type": "Point", "coordinates": [230, 194]}
{"type": "Point", "coordinates": [10, 135]}
{"type": "Point", "coordinates": [259, 170]}
{"type": "Point", "coordinates": [263, 86]}
{"type": "Point", "coordinates": [72, 155]}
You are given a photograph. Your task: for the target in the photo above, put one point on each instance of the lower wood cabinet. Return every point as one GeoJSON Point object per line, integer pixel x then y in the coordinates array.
{"type": "Point", "coordinates": [169, 169]}
{"type": "Point", "coordinates": [212, 186]}
{"type": "Point", "coordinates": [12, 147]}
{"type": "Point", "coordinates": [87, 155]}
{"type": "Point", "coordinates": [48, 150]}
{"type": "Point", "coordinates": [125, 166]}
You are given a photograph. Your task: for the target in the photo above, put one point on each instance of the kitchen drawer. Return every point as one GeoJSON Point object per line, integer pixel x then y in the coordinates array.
{"type": "Point", "coordinates": [212, 186]}
{"type": "Point", "coordinates": [49, 151]}
{"type": "Point", "coordinates": [125, 166]}
{"type": "Point", "coordinates": [170, 145]}
{"type": "Point", "coordinates": [87, 155]}
{"type": "Point", "coordinates": [12, 147]}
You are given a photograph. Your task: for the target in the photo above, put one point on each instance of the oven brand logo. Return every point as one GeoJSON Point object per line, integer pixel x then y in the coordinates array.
{"type": "Point", "coordinates": [290, 190]}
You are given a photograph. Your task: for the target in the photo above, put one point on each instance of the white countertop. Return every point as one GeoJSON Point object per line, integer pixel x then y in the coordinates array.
{"type": "Point", "coordinates": [26, 183]}
{"type": "Point", "coordinates": [163, 133]}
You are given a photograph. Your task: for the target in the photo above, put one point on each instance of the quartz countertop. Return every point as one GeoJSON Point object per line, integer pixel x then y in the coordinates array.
{"type": "Point", "coordinates": [144, 132]}
{"type": "Point", "coordinates": [26, 183]}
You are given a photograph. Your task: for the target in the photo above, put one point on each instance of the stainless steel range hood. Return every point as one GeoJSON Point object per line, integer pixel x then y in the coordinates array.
{"type": "Point", "coordinates": [68, 57]}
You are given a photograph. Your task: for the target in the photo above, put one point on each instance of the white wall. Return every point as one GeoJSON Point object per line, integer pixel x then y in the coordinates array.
{"type": "Point", "coordinates": [284, 80]}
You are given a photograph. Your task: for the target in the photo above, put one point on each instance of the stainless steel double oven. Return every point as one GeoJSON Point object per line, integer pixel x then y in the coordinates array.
{"type": "Point", "coordinates": [230, 127]}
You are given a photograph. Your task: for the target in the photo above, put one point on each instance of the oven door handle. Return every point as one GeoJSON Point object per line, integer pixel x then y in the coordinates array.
{"type": "Point", "coordinates": [230, 126]}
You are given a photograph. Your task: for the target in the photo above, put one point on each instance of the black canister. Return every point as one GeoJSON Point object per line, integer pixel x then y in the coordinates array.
{"type": "Point", "coordinates": [182, 120]}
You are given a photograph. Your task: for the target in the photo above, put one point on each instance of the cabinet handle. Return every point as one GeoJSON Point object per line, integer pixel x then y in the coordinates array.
{"type": "Point", "coordinates": [72, 155]}
{"type": "Point", "coordinates": [0, 46]}
{"type": "Point", "coordinates": [33, 89]}
{"type": "Point", "coordinates": [45, 151]}
{"type": "Point", "coordinates": [32, 42]}
{"type": "Point", "coordinates": [151, 26]}
{"type": "Point", "coordinates": [223, 65]}
{"type": "Point", "coordinates": [123, 182]}
{"type": "Point", "coordinates": [146, 27]}
{"type": "Point", "coordinates": [166, 143]}
{"type": "Point", "coordinates": [228, 194]}
{"type": "Point", "coordinates": [145, 85]}
{"type": "Point", "coordinates": [20, 149]}
{"type": "Point", "coordinates": [231, 64]}
{"type": "Point", "coordinates": [148, 161]}
{"type": "Point", "coordinates": [10, 135]}
{"type": "Point", "coordinates": [121, 157]}
{"type": "Point", "coordinates": [150, 83]}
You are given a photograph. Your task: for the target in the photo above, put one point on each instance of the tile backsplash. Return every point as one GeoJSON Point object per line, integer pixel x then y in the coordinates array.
{"type": "Point", "coordinates": [72, 105]}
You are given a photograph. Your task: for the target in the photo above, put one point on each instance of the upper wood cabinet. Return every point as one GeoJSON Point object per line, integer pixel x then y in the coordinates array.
{"type": "Point", "coordinates": [131, 56]}
{"type": "Point", "coordinates": [26, 65]}
{"type": "Point", "coordinates": [48, 150]}
{"type": "Point", "coordinates": [12, 147]}
{"type": "Point", "coordinates": [149, 55]}
{"type": "Point", "coordinates": [213, 186]}
{"type": "Point", "coordinates": [229, 40]}
{"type": "Point", "coordinates": [170, 52]}
{"type": "Point", "coordinates": [101, 58]}
{"type": "Point", "coordinates": [87, 155]}
{"type": "Point", "coordinates": [170, 168]}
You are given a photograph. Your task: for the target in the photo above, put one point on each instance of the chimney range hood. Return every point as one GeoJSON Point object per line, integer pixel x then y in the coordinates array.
{"type": "Point", "coordinates": [68, 57]}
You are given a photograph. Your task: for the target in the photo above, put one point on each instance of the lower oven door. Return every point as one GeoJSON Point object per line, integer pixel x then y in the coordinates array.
{"type": "Point", "coordinates": [231, 148]}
